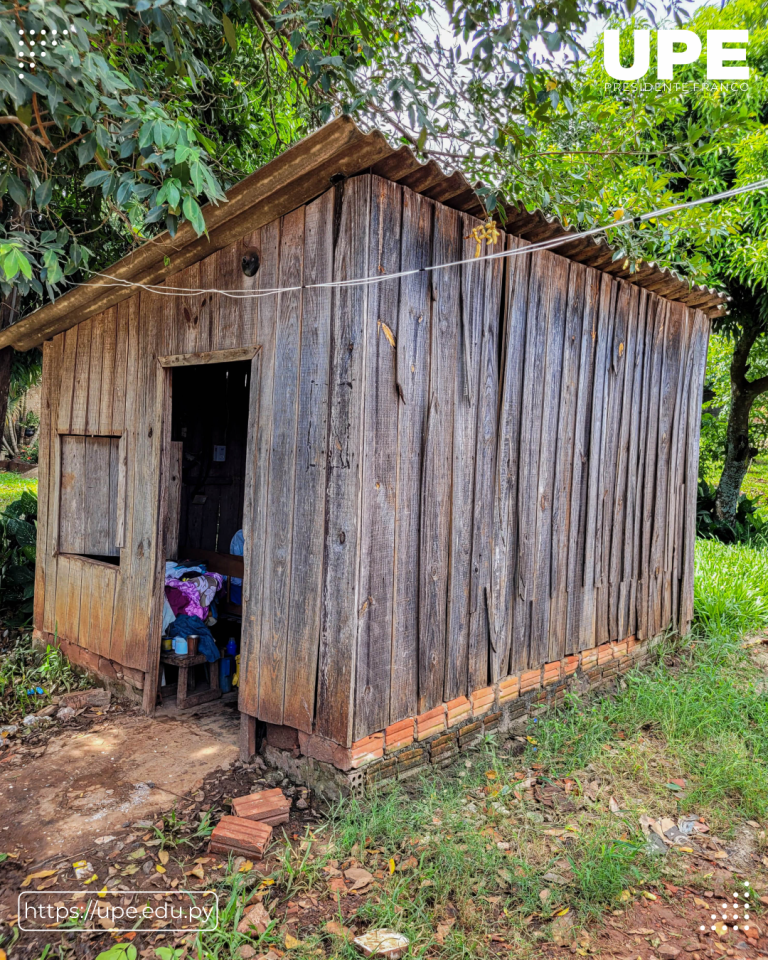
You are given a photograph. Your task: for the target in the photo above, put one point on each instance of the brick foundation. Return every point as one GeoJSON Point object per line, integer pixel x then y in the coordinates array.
{"type": "Point", "coordinates": [438, 736]}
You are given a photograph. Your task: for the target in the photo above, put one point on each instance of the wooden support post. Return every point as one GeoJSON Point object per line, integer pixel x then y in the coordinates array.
{"type": "Point", "coordinates": [247, 736]}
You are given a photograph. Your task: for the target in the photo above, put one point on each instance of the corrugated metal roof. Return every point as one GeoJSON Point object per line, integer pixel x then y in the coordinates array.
{"type": "Point", "coordinates": [299, 175]}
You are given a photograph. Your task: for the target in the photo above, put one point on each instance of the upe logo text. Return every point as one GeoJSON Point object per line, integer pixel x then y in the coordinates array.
{"type": "Point", "coordinates": [668, 57]}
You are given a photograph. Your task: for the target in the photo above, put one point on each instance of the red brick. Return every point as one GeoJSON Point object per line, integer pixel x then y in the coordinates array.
{"type": "Point", "coordinates": [571, 665]}
{"type": "Point", "coordinates": [245, 837]}
{"type": "Point", "coordinates": [368, 749]}
{"type": "Point", "coordinates": [266, 806]}
{"type": "Point", "coordinates": [458, 710]}
{"type": "Point", "coordinates": [530, 680]}
{"type": "Point", "coordinates": [482, 701]}
{"type": "Point", "coordinates": [326, 751]}
{"type": "Point", "coordinates": [509, 689]}
{"type": "Point", "coordinates": [588, 658]}
{"type": "Point", "coordinates": [552, 672]}
{"type": "Point", "coordinates": [399, 734]}
{"type": "Point", "coordinates": [604, 653]}
{"type": "Point", "coordinates": [619, 649]}
{"type": "Point", "coordinates": [431, 722]}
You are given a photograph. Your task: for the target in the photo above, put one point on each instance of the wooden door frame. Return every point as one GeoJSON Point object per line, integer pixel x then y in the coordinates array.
{"type": "Point", "coordinates": [166, 367]}
{"type": "Point", "coordinates": [152, 674]}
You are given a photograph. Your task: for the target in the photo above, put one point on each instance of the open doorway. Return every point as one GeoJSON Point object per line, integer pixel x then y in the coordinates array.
{"type": "Point", "coordinates": [204, 540]}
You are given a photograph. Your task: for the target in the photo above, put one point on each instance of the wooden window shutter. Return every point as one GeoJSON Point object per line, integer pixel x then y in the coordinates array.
{"type": "Point", "coordinates": [90, 499]}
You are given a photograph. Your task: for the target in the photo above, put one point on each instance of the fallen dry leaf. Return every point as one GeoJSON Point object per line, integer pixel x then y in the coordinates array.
{"type": "Point", "coordinates": [338, 930]}
{"type": "Point", "coordinates": [256, 917]}
{"type": "Point", "coordinates": [195, 872]}
{"type": "Point", "coordinates": [360, 878]}
{"type": "Point", "coordinates": [163, 857]}
{"type": "Point", "coordinates": [37, 876]}
{"type": "Point", "coordinates": [291, 942]}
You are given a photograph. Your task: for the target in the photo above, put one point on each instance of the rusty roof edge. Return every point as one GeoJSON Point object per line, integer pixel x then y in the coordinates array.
{"type": "Point", "coordinates": [318, 150]}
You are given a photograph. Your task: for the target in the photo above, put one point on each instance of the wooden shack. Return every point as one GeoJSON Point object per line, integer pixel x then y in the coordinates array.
{"type": "Point", "coordinates": [445, 480]}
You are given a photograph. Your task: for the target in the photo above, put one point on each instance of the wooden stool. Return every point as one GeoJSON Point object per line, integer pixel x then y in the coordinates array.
{"type": "Point", "coordinates": [184, 663]}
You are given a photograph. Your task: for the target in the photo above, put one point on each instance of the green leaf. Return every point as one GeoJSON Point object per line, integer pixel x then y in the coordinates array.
{"type": "Point", "coordinates": [194, 214]}
{"type": "Point", "coordinates": [44, 193]}
{"type": "Point", "coordinates": [230, 33]}
{"type": "Point", "coordinates": [96, 178]}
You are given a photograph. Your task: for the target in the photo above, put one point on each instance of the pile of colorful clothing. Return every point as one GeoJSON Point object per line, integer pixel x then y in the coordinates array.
{"type": "Point", "coordinates": [190, 602]}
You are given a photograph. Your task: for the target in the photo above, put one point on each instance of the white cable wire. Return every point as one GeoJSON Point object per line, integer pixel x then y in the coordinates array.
{"type": "Point", "coordinates": [164, 290]}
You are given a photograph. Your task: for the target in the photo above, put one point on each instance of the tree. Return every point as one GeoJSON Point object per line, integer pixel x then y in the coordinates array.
{"type": "Point", "coordinates": [121, 118]}
{"type": "Point", "coordinates": [616, 151]}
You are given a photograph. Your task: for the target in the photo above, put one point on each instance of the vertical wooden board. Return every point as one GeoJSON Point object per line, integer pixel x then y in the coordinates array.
{"type": "Point", "coordinates": [592, 527]}
{"type": "Point", "coordinates": [581, 453]}
{"type": "Point", "coordinates": [311, 455]}
{"type": "Point", "coordinates": [100, 580]}
{"type": "Point", "coordinates": [700, 340]}
{"type": "Point", "coordinates": [557, 269]}
{"type": "Point", "coordinates": [210, 303]}
{"type": "Point", "coordinates": [95, 372]}
{"type": "Point", "coordinates": [88, 598]}
{"type": "Point", "coordinates": [611, 412]}
{"type": "Point", "coordinates": [685, 364]}
{"type": "Point", "coordinates": [122, 315]}
{"type": "Point", "coordinates": [72, 505]}
{"type": "Point", "coordinates": [253, 507]}
{"type": "Point", "coordinates": [156, 590]}
{"type": "Point", "coordinates": [180, 330]}
{"type": "Point", "coordinates": [142, 539]}
{"type": "Point", "coordinates": [114, 496]}
{"type": "Point", "coordinates": [128, 313]}
{"type": "Point", "coordinates": [349, 318]}
{"type": "Point", "coordinates": [656, 346]}
{"type": "Point", "coordinates": [630, 560]}
{"type": "Point", "coordinates": [236, 320]}
{"type": "Point", "coordinates": [669, 379]}
{"type": "Point", "coordinates": [485, 477]}
{"type": "Point", "coordinates": [97, 506]}
{"type": "Point", "coordinates": [377, 551]}
{"type": "Point", "coordinates": [66, 378]}
{"type": "Point", "coordinates": [413, 339]}
{"type": "Point", "coordinates": [51, 480]}
{"type": "Point", "coordinates": [71, 630]}
{"type": "Point", "coordinates": [505, 525]}
{"type": "Point", "coordinates": [44, 467]}
{"type": "Point", "coordinates": [282, 474]}
{"type": "Point", "coordinates": [108, 371]}
{"type": "Point", "coordinates": [609, 457]}
{"type": "Point", "coordinates": [628, 303]}
{"type": "Point", "coordinates": [435, 533]}
{"type": "Point", "coordinates": [465, 403]}
{"type": "Point", "coordinates": [60, 622]}
{"type": "Point", "coordinates": [562, 498]}
{"type": "Point", "coordinates": [531, 418]}
{"type": "Point", "coordinates": [257, 486]}
{"type": "Point", "coordinates": [173, 513]}
{"type": "Point", "coordinates": [82, 374]}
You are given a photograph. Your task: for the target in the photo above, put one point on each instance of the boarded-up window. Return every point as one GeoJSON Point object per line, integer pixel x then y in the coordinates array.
{"type": "Point", "coordinates": [88, 509]}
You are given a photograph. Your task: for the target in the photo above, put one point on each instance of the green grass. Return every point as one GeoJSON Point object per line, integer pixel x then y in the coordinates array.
{"type": "Point", "coordinates": [12, 485]}
{"type": "Point", "coordinates": [707, 703]}
{"type": "Point", "coordinates": [698, 712]}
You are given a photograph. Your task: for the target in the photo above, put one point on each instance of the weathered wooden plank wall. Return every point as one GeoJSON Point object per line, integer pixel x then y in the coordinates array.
{"type": "Point", "coordinates": [451, 476]}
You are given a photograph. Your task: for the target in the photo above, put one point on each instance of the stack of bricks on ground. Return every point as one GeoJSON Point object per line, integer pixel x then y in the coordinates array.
{"type": "Point", "coordinates": [437, 736]}
{"type": "Point", "coordinates": [249, 831]}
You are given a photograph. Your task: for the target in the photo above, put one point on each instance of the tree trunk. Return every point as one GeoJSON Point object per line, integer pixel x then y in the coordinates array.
{"type": "Point", "coordinates": [738, 451]}
{"type": "Point", "coordinates": [738, 454]}
{"type": "Point", "coordinates": [6, 359]}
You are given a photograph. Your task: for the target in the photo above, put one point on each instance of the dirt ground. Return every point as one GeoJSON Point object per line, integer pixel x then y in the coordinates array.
{"type": "Point", "coordinates": [90, 784]}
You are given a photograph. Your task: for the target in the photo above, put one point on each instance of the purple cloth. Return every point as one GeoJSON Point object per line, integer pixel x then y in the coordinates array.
{"type": "Point", "coordinates": [186, 596]}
